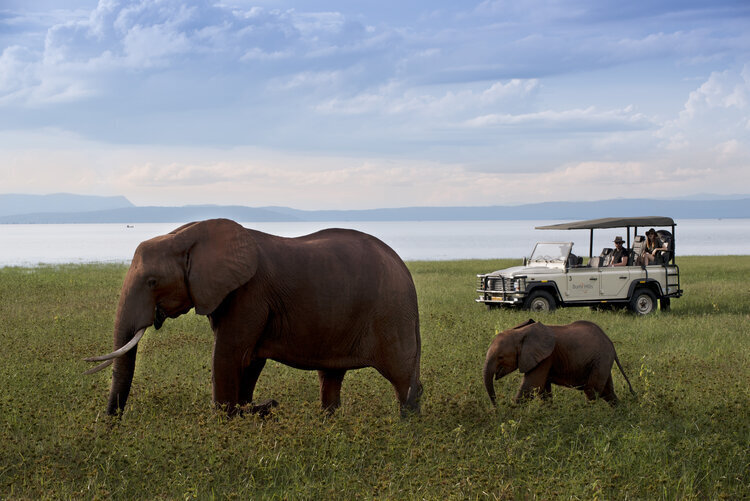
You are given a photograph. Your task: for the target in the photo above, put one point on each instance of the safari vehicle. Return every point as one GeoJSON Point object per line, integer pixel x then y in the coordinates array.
{"type": "Point", "coordinates": [553, 276]}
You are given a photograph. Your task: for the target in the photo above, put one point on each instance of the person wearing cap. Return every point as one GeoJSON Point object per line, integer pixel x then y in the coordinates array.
{"type": "Point", "coordinates": [654, 246]}
{"type": "Point", "coordinates": [620, 254]}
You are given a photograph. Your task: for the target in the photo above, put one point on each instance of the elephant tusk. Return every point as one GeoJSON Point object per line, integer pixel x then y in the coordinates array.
{"type": "Point", "coordinates": [99, 367]}
{"type": "Point", "coordinates": [120, 352]}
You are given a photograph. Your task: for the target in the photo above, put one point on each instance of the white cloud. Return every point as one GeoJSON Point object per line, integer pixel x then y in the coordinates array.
{"type": "Point", "coordinates": [18, 71]}
{"type": "Point", "coordinates": [311, 24]}
{"type": "Point", "coordinates": [715, 113]}
{"type": "Point", "coordinates": [394, 99]}
{"type": "Point", "coordinates": [307, 79]}
{"type": "Point", "coordinates": [571, 120]}
{"type": "Point", "coordinates": [148, 46]}
{"type": "Point", "coordinates": [723, 90]}
{"type": "Point", "coordinates": [258, 54]}
{"type": "Point", "coordinates": [422, 104]}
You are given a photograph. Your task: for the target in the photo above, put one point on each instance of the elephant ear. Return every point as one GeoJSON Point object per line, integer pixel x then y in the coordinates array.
{"type": "Point", "coordinates": [528, 322]}
{"type": "Point", "coordinates": [537, 344]}
{"type": "Point", "coordinates": [221, 256]}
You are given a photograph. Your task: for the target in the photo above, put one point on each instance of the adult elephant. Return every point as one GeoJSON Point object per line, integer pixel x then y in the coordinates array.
{"type": "Point", "coordinates": [578, 355]}
{"type": "Point", "coordinates": [331, 301]}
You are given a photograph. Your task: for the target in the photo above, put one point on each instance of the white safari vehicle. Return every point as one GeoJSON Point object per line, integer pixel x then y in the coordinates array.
{"type": "Point", "coordinates": [553, 276]}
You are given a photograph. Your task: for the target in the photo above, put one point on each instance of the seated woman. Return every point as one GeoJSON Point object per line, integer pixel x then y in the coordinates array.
{"type": "Point", "coordinates": [654, 246]}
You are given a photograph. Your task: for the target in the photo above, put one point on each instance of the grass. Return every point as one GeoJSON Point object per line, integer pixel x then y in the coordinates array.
{"type": "Point", "coordinates": [686, 436]}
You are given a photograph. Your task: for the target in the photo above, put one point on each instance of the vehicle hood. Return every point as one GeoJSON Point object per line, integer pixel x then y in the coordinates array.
{"type": "Point", "coordinates": [520, 270]}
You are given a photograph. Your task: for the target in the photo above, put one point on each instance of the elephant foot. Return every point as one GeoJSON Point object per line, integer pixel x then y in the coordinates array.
{"type": "Point", "coordinates": [263, 409]}
{"type": "Point", "coordinates": [412, 406]}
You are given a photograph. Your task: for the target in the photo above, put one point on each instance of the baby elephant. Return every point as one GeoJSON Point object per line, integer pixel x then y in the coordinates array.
{"type": "Point", "coordinates": [577, 355]}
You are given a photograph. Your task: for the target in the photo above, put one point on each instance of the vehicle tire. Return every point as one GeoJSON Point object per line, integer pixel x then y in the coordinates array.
{"type": "Point", "coordinates": [540, 301]}
{"type": "Point", "coordinates": [643, 302]}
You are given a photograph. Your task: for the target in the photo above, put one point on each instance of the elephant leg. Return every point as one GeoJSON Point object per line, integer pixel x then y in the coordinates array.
{"type": "Point", "coordinates": [248, 380]}
{"type": "Point", "coordinates": [330, 388]}
{"type": "Point", "coordinates": [405, 380]}
{"type": "Point", "coordinates": [535, 382]}
{"type": "Point", "coordinates": [227, 375]}
{"type": "Point", "coordinates": [527, 391]}
{"type": "Point", "coordinates": [596, 384]}
{"type": "Point", "coordinates": [547, 393]}
{"type": "Point", "coordinates": [409, 393]}
{"type": "Point", "coordinates": [608, 395]}
{"type": "Point", "coordinates": [589, 392]}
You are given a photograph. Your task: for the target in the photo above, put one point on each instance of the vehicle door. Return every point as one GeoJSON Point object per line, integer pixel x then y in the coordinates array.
{"type": "Point", "coordinates": [582, 284]}
{"type": "Point", "coordinates": [614, 281]}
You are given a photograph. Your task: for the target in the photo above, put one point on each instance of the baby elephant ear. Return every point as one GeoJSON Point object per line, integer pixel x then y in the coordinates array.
{"type": "Point", "coordinates": [528, 322]}
{"type": "Point", "coordinates": [536, 345]}
{"type": "Point", "coordinates": [221, 256]}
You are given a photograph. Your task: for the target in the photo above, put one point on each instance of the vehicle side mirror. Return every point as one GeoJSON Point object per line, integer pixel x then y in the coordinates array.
{"type": "Point", "coordinates": [525, 261]}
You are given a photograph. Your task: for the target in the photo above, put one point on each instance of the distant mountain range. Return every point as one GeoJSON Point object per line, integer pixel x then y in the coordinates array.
{"type": "Point", "coordinates": [67, 208]}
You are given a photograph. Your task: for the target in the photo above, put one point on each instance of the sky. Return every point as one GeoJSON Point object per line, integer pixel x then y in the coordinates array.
{"type": "Point", "coordinates": [331, 104]}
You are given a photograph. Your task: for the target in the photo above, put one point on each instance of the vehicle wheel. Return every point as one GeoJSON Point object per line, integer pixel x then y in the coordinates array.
{"type": "Point", "coordinates": [643, 302]}
{"type": "Point", "coordinates": [540, 301]}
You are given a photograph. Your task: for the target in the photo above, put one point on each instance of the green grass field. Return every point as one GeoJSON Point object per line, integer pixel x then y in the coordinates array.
{"type": "Point", "coordinates": [686, 436]}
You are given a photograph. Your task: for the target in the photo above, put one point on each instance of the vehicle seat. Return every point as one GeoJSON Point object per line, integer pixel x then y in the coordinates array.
{"type": "Point", "coordinates": [665, 237]}
{"type": "Point", "coordinates": [636, 253]}
{"type": "Point", "coordinates": [594, 262]}
{"type": "Point", "coordinates": [574, 261]}
{"type": "Point", "coordinates": [606, 256]}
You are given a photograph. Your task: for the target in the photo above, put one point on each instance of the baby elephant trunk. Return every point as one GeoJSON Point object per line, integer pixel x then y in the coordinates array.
{"type": "Point", "coordinates": [490, 369]}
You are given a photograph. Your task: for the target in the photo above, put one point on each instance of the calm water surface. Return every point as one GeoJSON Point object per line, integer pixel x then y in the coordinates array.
{"type": "Point", "coordinates": [32, 244]}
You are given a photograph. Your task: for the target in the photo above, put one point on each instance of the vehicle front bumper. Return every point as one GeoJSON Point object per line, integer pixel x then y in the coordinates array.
{"type": "Point", "coordinates": [509, 300]}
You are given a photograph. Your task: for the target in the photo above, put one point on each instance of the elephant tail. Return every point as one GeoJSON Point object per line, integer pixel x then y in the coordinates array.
{"type": "Point", "coordinates": [623, 375]}
{"type": "Point", "coordinates": [415, 384]}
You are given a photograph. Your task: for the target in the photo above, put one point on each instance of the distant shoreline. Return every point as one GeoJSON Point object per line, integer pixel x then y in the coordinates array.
{"type": "Point", "coordinates": [132, 224]}
{"type": "Point", "coordinates": [76, 209]}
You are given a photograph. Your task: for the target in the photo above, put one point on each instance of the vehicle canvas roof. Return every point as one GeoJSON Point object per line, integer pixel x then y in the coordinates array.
{"type": "Point", "coordinates": [611, 222]}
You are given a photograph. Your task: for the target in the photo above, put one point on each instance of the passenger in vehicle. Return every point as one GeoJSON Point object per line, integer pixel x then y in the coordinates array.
{"type": "Point", "coordinates": [654, 246]}
{"type": "Point", "coordinates": [620, 254]}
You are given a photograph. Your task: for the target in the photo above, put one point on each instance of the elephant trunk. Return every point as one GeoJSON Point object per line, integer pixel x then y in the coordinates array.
{"type": "Point", "coordinates": [122, 377]}
{"type": "Point", "coordinates": [490, 369]}
{"type": "Point", "coordinates": [134, 314]}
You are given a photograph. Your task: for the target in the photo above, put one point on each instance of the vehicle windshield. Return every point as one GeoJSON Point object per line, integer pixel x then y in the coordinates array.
{"type": "Point", "coordinates": [555, 252]}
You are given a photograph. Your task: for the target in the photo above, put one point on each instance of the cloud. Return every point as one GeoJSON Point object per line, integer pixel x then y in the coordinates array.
{"type": "Point", "coordinates": [424, 102]}
{"type": "Point", "coordinates": [715, 113]}
{"type": "Point", "coordinates": [568, 120]}
{"type": "Point", "coordinates": [394, 99]}
{"type": "Point", "coordinates": [723, 90]}
{"type": "Point", "coordinates": [17, 71]}
{"type": "Point", "coordinates": [258, 54]}
{"type": "Point", "coordinates": [153, 45]}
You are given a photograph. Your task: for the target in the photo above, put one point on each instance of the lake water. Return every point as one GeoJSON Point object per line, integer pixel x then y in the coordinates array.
{"type": "Point", "coordinates": [32, 244]}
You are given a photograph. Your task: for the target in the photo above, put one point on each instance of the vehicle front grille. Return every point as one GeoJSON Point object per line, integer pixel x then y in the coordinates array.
{"type": "Point", "coordinates": [494, 284]}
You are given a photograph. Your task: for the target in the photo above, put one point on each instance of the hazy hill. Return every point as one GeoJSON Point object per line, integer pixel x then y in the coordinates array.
{"type": "Point", "coordinates": [86, 209]}
{"type": "Point", "coordinates": [58, 202]}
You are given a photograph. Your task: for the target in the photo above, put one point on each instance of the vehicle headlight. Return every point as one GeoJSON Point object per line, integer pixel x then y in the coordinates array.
{"type": "Point", "coordinates": [517, 285]}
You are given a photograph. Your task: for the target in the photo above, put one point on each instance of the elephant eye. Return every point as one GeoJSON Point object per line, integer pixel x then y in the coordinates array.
{"type": "Point", "coordinates": [151, 282]}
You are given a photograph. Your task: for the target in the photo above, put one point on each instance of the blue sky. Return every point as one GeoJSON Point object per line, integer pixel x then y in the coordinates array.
{"type": "Point", "coordinates": [340, 104]}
